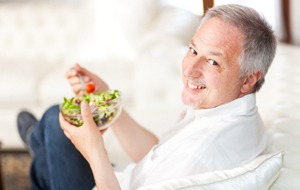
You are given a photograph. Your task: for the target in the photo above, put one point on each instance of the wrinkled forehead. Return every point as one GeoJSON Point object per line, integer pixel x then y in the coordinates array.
{"type": "Point", "coordinates": [220, 34]}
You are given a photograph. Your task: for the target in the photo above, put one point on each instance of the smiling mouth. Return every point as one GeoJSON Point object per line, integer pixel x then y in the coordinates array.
{"type": "Point", "coordinates": [192, 86]}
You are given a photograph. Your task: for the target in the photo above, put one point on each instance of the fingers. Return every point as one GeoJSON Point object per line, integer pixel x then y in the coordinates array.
{"type": "Point", "coordinates": [64, 125]}
{"type": "Point", "coordinates": [67, 128]}
{"type": "Point", "coordinates": [67, 135]}
{"type": "Point", "coordinates": [82, 70]}
{"type": "Point", "coordinates": [86, 114]}
{"type": "Point", "coordinates": [103, 131]}
{"type": "Point", "coordinates": [75, 82]}
{"type": "Point", "coordinates": [88, 77]}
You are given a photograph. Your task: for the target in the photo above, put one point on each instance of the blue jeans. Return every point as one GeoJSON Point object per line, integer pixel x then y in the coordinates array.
{"type": "Point", "coordinates": [57, 164]}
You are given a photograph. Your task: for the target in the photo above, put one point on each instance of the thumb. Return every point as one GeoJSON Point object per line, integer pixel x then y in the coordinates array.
{"type": "Point", "coordinates": [86, 114]}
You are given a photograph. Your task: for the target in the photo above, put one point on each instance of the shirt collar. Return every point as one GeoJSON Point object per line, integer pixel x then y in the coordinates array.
{"type": "Point", "coordinates": [240, 106]}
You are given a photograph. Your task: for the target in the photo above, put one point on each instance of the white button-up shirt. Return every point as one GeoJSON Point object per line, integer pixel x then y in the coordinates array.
{"type": "Point", "coordinates": [205, 140]}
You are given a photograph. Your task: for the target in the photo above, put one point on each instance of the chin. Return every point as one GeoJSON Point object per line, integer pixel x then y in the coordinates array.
{"type": "Point", "coordinates": [189, 101]}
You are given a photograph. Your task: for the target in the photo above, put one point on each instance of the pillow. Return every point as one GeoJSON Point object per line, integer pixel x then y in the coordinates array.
{"type": "Point", "coordinates": [259, 174]}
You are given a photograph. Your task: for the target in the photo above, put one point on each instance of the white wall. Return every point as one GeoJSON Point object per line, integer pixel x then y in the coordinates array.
{"type": "Point", "coordinates": [270, 9]}
{"type": "Point", "coordinates": [295, 21]}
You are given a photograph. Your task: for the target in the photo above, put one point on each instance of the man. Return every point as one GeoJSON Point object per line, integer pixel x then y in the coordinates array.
{"type": "Point", "coordinates": [224, 67]}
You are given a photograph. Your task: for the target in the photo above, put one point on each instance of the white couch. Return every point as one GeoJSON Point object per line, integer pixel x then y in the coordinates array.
{"type": "Point", "coordinates": [136, 47]}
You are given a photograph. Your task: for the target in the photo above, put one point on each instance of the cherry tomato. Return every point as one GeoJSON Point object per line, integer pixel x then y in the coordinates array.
{"type": "Point", "coordinates": [89, 88]}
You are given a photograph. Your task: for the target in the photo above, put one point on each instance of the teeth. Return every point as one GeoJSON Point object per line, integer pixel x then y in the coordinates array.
{"type": "Point", "coordinates": [192, 86]}
{"type": "Point", "coordinates": [195, 86]}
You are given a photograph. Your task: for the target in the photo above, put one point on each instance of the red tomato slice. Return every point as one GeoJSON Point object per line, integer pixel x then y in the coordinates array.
{"type": "Point", "coordinates": [89, 88]}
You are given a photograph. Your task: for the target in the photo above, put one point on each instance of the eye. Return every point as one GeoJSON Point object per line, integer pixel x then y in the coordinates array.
{"type": "Point", "coordinates": [212, 62]}
{"type": "Point", "coordinates": [192, 51]}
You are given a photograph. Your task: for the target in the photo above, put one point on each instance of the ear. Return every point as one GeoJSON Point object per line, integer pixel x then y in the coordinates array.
{"type": "Point", "coordinates": [250, 81]}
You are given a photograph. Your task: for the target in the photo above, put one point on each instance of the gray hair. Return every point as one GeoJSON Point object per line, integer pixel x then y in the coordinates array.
{"type": "Point", "coordinates": [259, 45]}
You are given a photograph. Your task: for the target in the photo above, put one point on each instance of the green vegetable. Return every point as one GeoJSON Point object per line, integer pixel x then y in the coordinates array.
{"type": "Point", "coordinates": [104, 107]}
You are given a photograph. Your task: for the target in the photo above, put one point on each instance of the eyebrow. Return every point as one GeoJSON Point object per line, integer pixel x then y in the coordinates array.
{"type": "Point", "coordinates": [215, 53]}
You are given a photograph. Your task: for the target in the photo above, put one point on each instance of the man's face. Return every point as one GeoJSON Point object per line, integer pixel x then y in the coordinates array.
{"type": "Point", "coordinates": [210, 69]}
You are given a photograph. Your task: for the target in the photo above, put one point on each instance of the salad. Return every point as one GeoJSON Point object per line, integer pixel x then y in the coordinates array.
{"type": "Point", "coordinates": [105, 107]}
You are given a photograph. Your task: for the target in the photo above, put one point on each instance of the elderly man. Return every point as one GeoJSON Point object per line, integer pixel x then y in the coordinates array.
{"type": "Point", "coordinates": [225, 66]}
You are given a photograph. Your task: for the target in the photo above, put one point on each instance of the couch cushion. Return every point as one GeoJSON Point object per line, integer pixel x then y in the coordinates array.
{"type": "Point", "coordinates": [279, 97]}
{"type": "Point", "coordinates": [285, 135]}
{"type": "Point", "coordinates": [259, 173]}
{"type": "Point", "coordinates": [288, 180]}
{"type": "Point", "coordinates": [35, 37]}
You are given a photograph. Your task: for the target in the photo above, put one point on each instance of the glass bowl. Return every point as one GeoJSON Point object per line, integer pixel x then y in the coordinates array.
{"type": "Point", "coordinates": [105, 108]}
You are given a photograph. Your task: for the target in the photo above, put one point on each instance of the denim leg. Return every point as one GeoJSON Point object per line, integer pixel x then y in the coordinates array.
{"type": "Point", "coordinates": [57, 164]}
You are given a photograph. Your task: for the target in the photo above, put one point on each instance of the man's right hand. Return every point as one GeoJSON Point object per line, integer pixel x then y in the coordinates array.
{"type": "Point", "coordinates": [88, 77]}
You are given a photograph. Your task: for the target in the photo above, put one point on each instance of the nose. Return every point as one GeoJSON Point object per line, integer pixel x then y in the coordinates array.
{"type": "Point", "coordinates": [194, 67]}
